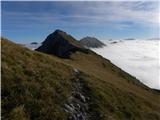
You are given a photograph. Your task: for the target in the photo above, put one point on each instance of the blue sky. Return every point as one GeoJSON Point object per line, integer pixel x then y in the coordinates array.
{"type": "Point", "coordinates": [25, 22]}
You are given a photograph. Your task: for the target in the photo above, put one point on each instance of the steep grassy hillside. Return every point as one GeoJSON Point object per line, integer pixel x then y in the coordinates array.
{"type": "Point", "coordinates": [119, 95]}
{"type": "Point", "coordinates": [36, 86]}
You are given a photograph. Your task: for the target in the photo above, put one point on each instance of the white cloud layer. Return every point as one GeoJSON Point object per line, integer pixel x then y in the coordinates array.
{"type": "Point", "coordinates": [140, 58]}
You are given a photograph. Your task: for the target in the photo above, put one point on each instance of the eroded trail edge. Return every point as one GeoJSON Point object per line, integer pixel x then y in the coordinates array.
{"type": "Point", "coordinates": [78, 104]}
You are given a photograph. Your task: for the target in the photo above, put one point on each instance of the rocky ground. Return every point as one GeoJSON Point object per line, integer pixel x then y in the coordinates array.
{"type": "Point", "coordinates": [78, 103]}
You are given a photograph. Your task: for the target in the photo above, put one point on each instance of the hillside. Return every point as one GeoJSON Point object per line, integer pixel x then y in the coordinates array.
{"type": "Point", "coordinates": [91, 42]}
{"type": "Point", "coordinates": [37, 86]}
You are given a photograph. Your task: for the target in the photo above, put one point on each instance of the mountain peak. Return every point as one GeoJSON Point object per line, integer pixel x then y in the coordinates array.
{"type": "Point", "coordinates": [61, 44]}
{"type": "Point", "coordinates": [59, 32]}
{"type": "Point", "coordinates": [91, 42]}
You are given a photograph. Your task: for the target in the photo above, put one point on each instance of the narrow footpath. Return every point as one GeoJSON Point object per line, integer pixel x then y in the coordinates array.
{"type": "Point", "coordinates": [78, 103]}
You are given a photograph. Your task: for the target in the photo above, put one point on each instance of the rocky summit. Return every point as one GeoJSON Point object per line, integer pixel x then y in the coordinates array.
{"type": "Point", "coordinates": [91, 42]}
{"type": "Point", "coordinates": [61, 44]}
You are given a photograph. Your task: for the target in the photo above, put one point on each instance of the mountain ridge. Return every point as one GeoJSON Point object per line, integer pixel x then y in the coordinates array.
{"type": "Point", "coordinates": [91, 42]}
{"type": "Point", "coordinates": [61, 44]}
{"type": "Point", "coordinates": [37, 86]}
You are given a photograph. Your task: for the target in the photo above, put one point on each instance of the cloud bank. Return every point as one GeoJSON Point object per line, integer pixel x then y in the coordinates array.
{"type": "Point", "coordinates": [140, 58]}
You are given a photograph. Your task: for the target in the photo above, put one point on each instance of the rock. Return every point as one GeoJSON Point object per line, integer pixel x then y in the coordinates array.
{"type": "Point", "coordinates": [69, 108]}
{"type": "Point", "coordinates": [77, 104]}
{"type": "Point", "coordinates": [80, 96]}
{"type": "Point", "coordinates": [114, 42]}
{"type": "Point", "coordinates": [129, 39]}
{"type": "Point", "coordinates": [76, 70]}
{"type": "Point", "coordinates": [34, 43]}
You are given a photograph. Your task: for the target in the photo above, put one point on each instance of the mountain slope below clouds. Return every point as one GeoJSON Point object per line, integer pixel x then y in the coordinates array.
{"type": "Point", "coordinates": [36, 86]}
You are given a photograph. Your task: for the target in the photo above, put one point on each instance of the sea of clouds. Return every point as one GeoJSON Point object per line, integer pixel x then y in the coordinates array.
{"type": "Point", "coordinates": [140, 58]}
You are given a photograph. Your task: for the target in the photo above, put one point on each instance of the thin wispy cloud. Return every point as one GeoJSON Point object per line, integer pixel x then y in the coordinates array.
{"type": "Point", "coordinates": [95, 12]}
{"type": "Point", "coordinates": [78, 15]}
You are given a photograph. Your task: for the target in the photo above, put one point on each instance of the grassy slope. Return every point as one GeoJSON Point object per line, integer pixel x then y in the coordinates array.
{"type": "Point", "coordinates": [119, 95]}
{"type": "Point", "coordinates": [36, 86]}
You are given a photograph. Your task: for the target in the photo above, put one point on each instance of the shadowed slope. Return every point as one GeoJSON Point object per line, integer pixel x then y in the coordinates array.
{"type": "Point", "coordinates": [60, 44]}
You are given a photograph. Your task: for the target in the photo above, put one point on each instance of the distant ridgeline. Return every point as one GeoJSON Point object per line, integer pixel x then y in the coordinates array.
{"type": "Point", "coordinates": [91, 42]}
